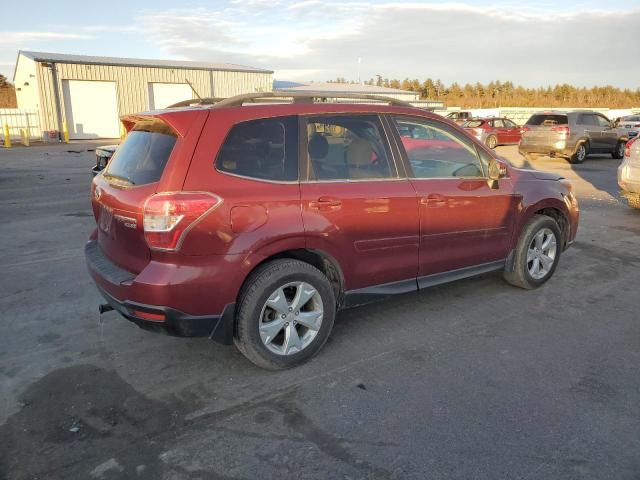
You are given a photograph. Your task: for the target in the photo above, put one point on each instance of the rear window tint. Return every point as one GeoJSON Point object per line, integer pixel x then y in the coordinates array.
{"type": "Point", "coordinates": [548, 120]}
{"type": "Point", "coordinates": [141, 158]}
{"type": "Point", "coordinates": [265, 149]}
{"type": "Point", "coordinates": [473, 124]}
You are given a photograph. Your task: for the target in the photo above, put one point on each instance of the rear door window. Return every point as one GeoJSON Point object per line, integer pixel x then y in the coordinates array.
{"type": "Point", "coordinates": [265, 149]}
{"type": "Point", "coordinates": [547, 120]}
{"type": "Point", "coordinates": [350, 147]}
{"type": "Point", "coordinates": [141, 158]}
{"type": "Point", "coordinates": [498, 123]}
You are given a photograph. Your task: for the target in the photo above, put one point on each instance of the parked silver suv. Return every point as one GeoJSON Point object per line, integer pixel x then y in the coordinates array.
{"type": "Point", "coordinates": [571, 135]}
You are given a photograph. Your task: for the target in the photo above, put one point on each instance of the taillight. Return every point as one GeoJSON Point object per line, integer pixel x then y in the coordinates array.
{"type": "Point", "coordinates": [562, 129]}
{"type": "Point", "coordinates": [168, 217]}
{"type": "Point", "coordinates": [627, 147]}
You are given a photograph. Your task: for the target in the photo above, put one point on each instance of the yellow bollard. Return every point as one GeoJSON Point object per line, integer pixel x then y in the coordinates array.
{"type": "Point", "coordinates": [123, 131]}
{"type": "Point", "coordinates": [24, 135]}
{"type": "Point", "coordinates": [65, 132]}
{"type": "Point", "coordinates": [7, 137]}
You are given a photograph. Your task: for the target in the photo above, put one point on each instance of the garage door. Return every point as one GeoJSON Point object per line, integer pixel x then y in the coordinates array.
{"type": "Point", "coordinates": [161, 95]}
{"type": "Point", "coordinates": [91, 109]}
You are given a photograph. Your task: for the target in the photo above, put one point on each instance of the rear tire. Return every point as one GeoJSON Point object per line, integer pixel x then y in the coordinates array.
{"type": "Point", "coordinates": [582, 150]}
{"type": "Point", "coordinates": [618, 153]}
{"type": "Point", "coordinates": [540, 244]}
{"type": "Point", "coordinates": [491, 142]}
{"type": "Point", "coordinates": [286, 311]}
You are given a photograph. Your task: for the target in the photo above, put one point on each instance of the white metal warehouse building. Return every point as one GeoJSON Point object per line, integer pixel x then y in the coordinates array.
{"type": "Point", "coordinates": [91, 93]}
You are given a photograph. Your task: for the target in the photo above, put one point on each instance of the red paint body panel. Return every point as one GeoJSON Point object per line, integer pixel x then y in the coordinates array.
{"type": "Point", "coordinates": [193, 285]}
{"type": "Point", "coordinates": [369, 227]}
{"type": "Point", "coordinates": [463, 222]}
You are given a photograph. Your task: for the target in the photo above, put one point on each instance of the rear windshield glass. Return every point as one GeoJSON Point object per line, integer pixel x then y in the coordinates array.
{"type": "Point", "coordinates": [472, 124]}
{"type": "Point", "coordinates": [142, 156]}
{"type": "Point", "coordinates": [548, 120]}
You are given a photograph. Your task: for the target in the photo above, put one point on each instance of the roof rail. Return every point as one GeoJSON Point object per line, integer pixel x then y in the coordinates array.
{"type": "Point", "coordinates": [196, 101]}
{"type": "Point", "coordinates": [304, 97]}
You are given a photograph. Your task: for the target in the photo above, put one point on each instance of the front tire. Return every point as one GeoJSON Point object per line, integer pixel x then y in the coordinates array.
{"type": "Point", "coordinates": [491, 142]}
{"type": "Point", "coordinates": [285, 314]}
{"type": "Point", "coordinates": [582, 150]}
{"type": "Point", "coordinates": [537, 254]}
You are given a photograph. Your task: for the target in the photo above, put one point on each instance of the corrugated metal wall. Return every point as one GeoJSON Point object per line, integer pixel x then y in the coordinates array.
{"type": "Point", "coordinates": [132, 84]}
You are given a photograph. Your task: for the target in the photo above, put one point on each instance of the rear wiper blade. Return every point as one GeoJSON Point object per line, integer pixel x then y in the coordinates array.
{"type": "Point", "coordinates": [120, 177]}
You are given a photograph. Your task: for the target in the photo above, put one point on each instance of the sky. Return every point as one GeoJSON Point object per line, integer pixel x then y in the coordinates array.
{"type": "Point", "coordinates": [584, 43]}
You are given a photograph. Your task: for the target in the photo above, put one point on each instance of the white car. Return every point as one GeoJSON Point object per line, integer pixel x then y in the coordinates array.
{"type": "Point", "coordinates": [629, 173]}
{"type": "Point", "coordinates": [629, 125]}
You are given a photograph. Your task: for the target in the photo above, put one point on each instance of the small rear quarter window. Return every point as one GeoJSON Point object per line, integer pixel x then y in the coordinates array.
{"type": "Point", "coordinates": [473, 124]}
{"type": "Point", "coordinates": [265, 149]}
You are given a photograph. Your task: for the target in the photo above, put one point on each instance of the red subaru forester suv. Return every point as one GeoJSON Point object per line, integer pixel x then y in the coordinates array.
{"type": "Point", "coordinates": [256, 223]}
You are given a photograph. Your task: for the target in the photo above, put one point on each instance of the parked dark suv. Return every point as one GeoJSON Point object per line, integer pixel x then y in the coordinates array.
{"type": "Point", "coordinates": [571, 135]}
{"type": "Point", "coordinates": [256, 224]}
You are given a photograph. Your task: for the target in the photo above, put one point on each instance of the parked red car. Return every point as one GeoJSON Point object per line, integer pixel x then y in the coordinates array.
{"type": "Point", "coordinates": [256, 224]}
{"type": "Point", "coordinates": [494, 131]}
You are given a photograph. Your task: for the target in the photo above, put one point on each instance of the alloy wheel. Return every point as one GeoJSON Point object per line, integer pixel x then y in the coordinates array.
{"type": "Point", "coordinates": [291, 318]}
{"type": "Point", "coordinates": [542, 253]}
{"type": "Point", "coordinates": [582, 152]}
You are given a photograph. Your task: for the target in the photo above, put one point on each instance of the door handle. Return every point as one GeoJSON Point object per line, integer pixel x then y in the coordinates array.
{"type": "Point", "coordinates": [434, 200]}
{"type": "Point", "coordinates": [325, 203]}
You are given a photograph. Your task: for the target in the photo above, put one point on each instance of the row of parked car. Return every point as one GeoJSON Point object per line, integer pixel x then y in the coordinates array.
{"type": "Point", "coordinates": [571, 135]}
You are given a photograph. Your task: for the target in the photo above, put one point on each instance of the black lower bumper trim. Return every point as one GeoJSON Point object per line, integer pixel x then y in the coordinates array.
{"type": "Point", "coordinates": [177, 323]}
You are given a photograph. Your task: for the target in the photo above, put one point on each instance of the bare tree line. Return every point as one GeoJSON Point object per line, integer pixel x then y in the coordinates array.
{"type": "Point", "coordinates": [506, 94]}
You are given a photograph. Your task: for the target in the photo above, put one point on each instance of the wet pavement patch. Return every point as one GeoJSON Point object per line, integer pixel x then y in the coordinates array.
{"type": "Point", "coordinates": [81, 420]}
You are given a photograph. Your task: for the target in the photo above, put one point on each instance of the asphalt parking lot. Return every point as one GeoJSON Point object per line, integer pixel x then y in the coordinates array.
{"type": "Point", "coordinates": [471, 380]}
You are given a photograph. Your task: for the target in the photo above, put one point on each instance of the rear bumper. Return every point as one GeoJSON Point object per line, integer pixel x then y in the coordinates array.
{"type": "Point", "coordinates": [556, 148]}
{"type": "Point", "coordinates": [629, 178]}
{"type": "Point", "coordinates": [176, 323]}
{"type": "Point", "coordinates": [121, 290]}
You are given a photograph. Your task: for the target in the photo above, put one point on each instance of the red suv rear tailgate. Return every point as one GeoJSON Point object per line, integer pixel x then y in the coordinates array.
{"type": "Point", "coordinates": [154, 157]}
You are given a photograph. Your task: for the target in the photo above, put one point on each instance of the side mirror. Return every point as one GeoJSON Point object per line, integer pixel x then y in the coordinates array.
{"type": "Point", "coordinates": [497, 170]}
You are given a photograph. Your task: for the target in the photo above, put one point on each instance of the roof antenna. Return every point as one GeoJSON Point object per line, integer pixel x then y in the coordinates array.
{"type": "Point", "coordinates": [194, 90]}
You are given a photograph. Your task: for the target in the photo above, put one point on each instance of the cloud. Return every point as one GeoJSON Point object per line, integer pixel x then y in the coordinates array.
{"type": "Point", "coordinates": [18, 38]}
{"type": "Point", "coordinates": [453, 42]}
{"type": "Point", "coordinates": [14, 41]}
